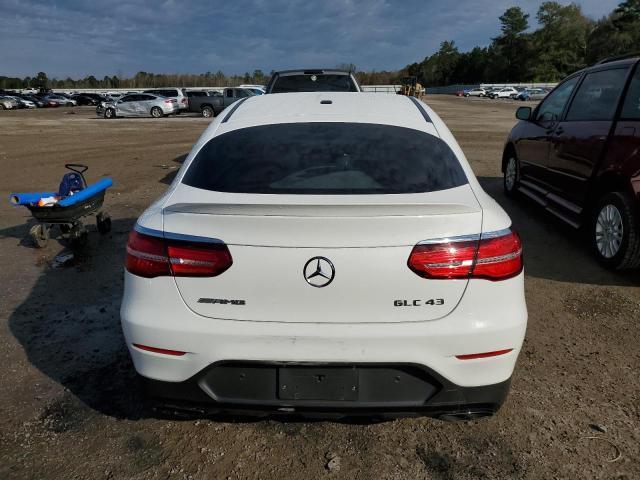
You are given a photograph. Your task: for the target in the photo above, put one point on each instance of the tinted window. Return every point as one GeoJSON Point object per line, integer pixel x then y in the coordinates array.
{"type": "Point", "coordinates": [553, 105]}
{"type": "Point", "coordinates": [598, 94]}
{"type": "Point", "coordinates": [229, 93]}
{"type": "Point", "coordinates": [325, 158]}
{"type": "Point", "coordinates": [631, 107]}
{"type": "Point", "coordinates": [313, 83]}
{"type": "Point", "coordinates": [144, 98]}
{"type": "Point", "coordinates": [127, 98]}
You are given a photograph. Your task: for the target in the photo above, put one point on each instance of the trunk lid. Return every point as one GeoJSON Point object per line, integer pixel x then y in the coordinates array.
{"type": "Point", "coordinates": [276, 242]}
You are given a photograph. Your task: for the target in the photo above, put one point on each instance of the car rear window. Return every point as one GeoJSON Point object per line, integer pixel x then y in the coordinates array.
{"type": "Point", "coordinates": [325, 158]}
{"type": "Point", "coordinates": [313, 83]}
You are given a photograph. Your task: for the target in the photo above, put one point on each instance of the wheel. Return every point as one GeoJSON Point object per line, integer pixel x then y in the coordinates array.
{"type": "Point", "coordinates": [65, 228]}
{"type": "Point", "coordinates": [511, 174]}
{"type": "Point", "coordinates": [207, 112]}
{"type": "Point", "coordinates": [40, 235]}
{"type": "Point", "coordinates": [466, 94]}
{"type": "Point", "coordinates": [615, 236]}
{"type": "Point", "coordinates": [109, 113]}
{"type": "Point", "coordinates": [156, 112]}
{"type": "Point", "coordinates": [103, 223]}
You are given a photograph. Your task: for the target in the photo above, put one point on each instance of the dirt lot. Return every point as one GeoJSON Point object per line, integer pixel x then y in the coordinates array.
{"type": "Point", "coordinates": [70, 408]}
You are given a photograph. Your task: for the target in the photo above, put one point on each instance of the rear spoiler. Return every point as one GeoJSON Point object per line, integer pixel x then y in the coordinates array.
{"type": "Point", "coordinates": [323, 210]}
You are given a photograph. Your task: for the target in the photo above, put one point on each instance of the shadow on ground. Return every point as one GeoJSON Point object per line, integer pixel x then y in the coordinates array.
{"type": "Point", "coordinates": [168, 178]}
{"type": "Point", "coordinates": [553, 250]}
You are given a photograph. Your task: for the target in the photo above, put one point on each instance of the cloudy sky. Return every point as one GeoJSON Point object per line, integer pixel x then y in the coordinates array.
{"type": "Point", "coordinates": [82, 37]}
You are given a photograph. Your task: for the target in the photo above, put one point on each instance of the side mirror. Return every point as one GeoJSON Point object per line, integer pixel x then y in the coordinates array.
{"type": "Point", "coordinates": [523, 113]}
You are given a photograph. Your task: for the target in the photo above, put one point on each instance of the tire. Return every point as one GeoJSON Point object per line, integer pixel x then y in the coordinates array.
{"type": "Point", "coordinates": [614, 232]}
{"type": "Point", "coordinates": [156, 112]}
{"type": "Point", "coordinates": [511, 176]}
{"type": "Point", "coordinates": [466, 95]}
{"type": "Point", "coordinates": [207, 112]}
{"type": "Point", "coordinates": [109, 113]}
{"type": "Point", "coordinates": [39, 235]}
{"type": "Point", "coordinates": [2, 107]}
{"type": "Point", "coordinates": [103, 223]}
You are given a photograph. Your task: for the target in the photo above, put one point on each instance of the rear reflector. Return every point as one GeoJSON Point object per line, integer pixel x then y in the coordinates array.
{"type": "Point", "coordinates": [149, 257]}
{"type": "Point", "coordinates": [472, 356]}
{"type": "Point", "coordinates": [164, 351]}
{"type": "Point", "coordinates": [493, 256]}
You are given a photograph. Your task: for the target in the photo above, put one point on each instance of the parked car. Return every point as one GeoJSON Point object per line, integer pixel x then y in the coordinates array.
{"type": "Point", "coordinates": [138, 105]}
{"type": "Point", "coordinates": [177, 93]}
{"type": "Point", "coordinates": [82, 99]}
{"type": "Point", "coordinates": [36, 101]}
{"type": "Point", "coordinates": [504, 92]}
{"type": "Point", "coordinates": [257, 89]}
{"type": "Point", "coordinates": [531, 94]}
{"type": "Point", "coordinates": [214, 103]}
{"type": "Point", "coordinates": [60, 100]}
{"type": "Point", "coordinates": [7, 103]}
{"type": "Point", "coordinates": [292, 267]}
{"type": "Point", "coordinates": [95, 96]}
{"type": "Point", "coordinates": [578, 155]}
{"type": "Point", "coordinates": [23, 102]}
{"type": "Point", "coordinates": [518, 91]}
{"type": "Point", "coordinates": [475, 92]}
{"type": "Point", "coordinates": [286, 81]}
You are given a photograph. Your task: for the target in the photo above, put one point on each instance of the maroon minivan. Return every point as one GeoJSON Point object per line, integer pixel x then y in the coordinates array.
{"type": "Point", "coordinates": [578, 155]}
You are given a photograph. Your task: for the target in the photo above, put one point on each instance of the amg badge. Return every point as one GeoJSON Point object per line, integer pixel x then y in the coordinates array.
{"type": "Point", "coordinates": [222, 301]}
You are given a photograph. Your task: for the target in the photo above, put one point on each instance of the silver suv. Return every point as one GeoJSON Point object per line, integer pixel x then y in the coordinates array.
{"type": "Point", "coordinates": [177, 93]}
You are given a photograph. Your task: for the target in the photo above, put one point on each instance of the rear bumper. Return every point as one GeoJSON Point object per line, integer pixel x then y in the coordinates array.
{"type": "Point", "coordinates": [253, 388]}
{"type": "Point", "coordinates": [491, 316]}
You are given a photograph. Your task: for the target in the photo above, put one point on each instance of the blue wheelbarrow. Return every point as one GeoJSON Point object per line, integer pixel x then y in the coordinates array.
{"type": "Point", "coordinates": [66, 207]}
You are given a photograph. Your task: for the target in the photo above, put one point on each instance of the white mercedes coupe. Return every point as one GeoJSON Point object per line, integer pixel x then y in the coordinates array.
{"type": "Point", "coordinates": [329, 254]}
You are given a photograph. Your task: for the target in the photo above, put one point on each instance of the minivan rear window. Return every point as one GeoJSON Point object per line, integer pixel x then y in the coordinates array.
{"type": "Point", "coordinates": [313, 83]}
{"type": "Point", "coordinates": [325, 158]}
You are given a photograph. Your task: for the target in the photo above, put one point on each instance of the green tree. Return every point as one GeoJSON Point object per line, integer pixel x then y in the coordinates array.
{"type": "Point", "coordinates": [41, 80]}
{"type": "Point", "coordinates": [512, 44]}
{"type": "Point", "coordinates": [561, 43]}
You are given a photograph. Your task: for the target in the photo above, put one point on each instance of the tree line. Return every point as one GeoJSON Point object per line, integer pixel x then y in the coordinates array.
{"type": "Point", "coordinates": [565, 41]}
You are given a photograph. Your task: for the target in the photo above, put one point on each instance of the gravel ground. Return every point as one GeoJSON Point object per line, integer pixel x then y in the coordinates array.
{"type": "Point", "coordinates": [71, 408]}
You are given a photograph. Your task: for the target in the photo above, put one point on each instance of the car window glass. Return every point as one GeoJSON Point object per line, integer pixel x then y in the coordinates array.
{"type": "Point", "coordinates": [598, 94]}
{"type": "Point", "coordinates": [314, 83]}
{"type": "Point", "coordinates": [242, 93]}
{"type": "Point", "coordinates": [229, 93]}
{"type": "Point", "coordinates": [552, 107]}
{"type": "Point", "coordinates": [127, 98]}
{"type": "Point", "coordinates": [325, 158]}
{"type": "Point", "coordinates": [631, 107]}
{"type": "Point", "coordinates": [144, 98]}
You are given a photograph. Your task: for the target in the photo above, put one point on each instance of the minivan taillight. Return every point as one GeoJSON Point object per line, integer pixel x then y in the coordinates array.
{"type": "Point", "coordinates": [149, 256]}
{"type": "Point", "coordinates": [495, 256]}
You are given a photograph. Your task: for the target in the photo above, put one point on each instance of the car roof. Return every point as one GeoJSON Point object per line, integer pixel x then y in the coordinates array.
{"type": "Point", "coordinates": [312, 71]}
{"type": "Point", "coordinates": [298, 107]}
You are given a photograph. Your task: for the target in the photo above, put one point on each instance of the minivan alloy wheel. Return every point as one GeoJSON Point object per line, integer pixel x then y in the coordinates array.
{"type": "Point", "coordinates": [609, 231]}
{"type": "Point", "coordinates": [510, 174]}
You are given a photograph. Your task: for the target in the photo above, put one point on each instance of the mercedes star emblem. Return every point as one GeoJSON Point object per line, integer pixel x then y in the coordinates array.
{"type": "Point", "coordinates": [319, 272]}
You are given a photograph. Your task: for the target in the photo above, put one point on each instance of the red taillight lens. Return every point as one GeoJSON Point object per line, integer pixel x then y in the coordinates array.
{"type": "Point", "coordinates": [447, 259]}
{"type": "Point", "coordinates": [499, 257]}
{"type": "Point", "coordinates": [496, 256]}
{"type": "Point", "coordinates": [198, 259]}
{"type": "Point", "coordinates": [149, 256]}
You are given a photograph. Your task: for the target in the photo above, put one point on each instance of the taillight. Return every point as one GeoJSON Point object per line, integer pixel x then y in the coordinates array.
{"type": "Point", "coordinates": [184, 100]}
{"type": "Point", "coordinates": [149, 256]}
{"type": "Point", "coordinates": [493, 256]}
{"type": "Point", "coordinates": [168, 101]}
